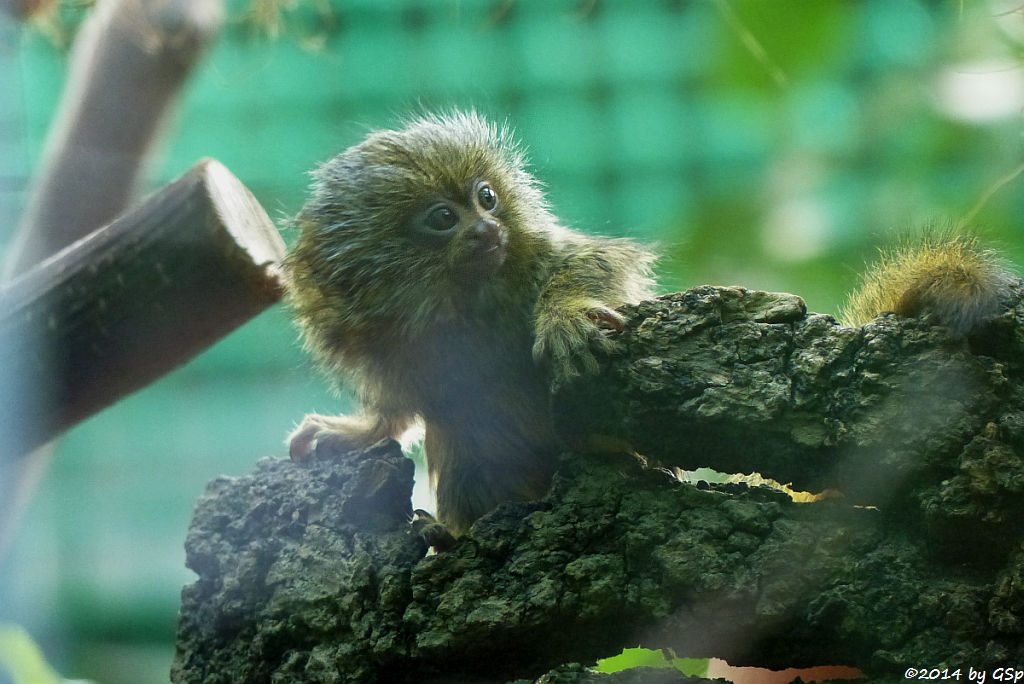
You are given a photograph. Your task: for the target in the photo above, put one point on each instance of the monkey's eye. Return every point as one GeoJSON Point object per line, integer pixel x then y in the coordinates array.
{"type": "Point", "coordinates": [487, 198]}
{"type": "Point", "coordinates": [441, 218]}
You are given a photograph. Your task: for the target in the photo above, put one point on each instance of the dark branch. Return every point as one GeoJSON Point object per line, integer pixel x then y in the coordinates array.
{"type": "Point", "coordinates": [313, 573]}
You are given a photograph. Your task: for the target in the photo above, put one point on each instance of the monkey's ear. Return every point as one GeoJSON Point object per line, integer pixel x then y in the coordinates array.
{"type": "Point", "coordinates": [941, 274]}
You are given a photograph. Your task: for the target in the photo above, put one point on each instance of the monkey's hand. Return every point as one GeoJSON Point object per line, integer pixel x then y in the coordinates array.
{"type": "Point", "coordinates": [567, 333]}
{"type": "Point", "coordinates": [317, 435]}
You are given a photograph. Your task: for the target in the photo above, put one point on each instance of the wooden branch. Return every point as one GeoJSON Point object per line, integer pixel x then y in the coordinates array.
{"type": "Point", "coordinates": [129, 62]}
{"type": "Point", "coordinates": [131, 301]}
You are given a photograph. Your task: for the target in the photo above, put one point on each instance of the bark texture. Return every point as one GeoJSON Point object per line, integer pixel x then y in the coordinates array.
{"type": "Point", "coordinates": [312, 573]}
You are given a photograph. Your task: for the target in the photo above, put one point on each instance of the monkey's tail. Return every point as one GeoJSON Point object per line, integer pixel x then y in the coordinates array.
{"type": "Point", "coordinates": [945, 275]}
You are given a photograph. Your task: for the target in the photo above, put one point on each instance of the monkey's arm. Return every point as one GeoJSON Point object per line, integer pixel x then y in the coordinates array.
{"type": "Point", "coordinates": [577, 305]}
{"type": "Point", "coordinates": [944, 275]}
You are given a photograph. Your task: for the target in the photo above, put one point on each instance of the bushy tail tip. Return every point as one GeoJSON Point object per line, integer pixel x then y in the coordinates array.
{"type": "Point", "coordinates": [948, 277]}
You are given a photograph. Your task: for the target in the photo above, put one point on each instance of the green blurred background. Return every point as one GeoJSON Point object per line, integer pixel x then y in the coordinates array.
{"type": "Point", "coordinates": [767, 144]}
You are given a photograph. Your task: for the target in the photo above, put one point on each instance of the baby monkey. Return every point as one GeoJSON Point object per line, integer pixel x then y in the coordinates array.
{"type": "Point", "coordinates": [432, 277]}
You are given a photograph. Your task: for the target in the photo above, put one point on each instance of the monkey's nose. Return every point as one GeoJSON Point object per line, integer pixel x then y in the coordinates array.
{"type": "Point", "coordinates": [489, 235]}
{"type": "Point", "coordinates": [488, 241]}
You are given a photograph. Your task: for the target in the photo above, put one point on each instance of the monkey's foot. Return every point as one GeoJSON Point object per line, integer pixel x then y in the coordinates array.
{"type": "Point", "coordinates": [432, 532]}
{"type": "Point", "coordinates": [318, 436]}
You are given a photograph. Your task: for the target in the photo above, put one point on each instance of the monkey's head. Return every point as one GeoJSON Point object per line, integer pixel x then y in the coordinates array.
{"type": "Point", "coordinates": [411, 226]}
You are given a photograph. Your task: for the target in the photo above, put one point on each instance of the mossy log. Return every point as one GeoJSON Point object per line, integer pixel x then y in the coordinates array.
{"type": "Point", "coordinates": [313, 573]}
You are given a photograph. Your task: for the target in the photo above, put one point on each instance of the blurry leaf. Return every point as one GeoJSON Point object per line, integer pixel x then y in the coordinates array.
{"type": "Point", "coordinates": [645, 657]}
{"type": "Point", "coordinates": [21, 659]}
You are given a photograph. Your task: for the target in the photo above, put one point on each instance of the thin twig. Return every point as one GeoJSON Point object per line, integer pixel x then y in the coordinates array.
{"type": "Point", "coordinates": [753, 45]}
{"type": "Point", "coordinates": [989, 193]}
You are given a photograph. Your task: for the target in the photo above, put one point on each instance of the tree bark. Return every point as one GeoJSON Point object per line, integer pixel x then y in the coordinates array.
{"type": "Point", "coordinates": [313, 573]}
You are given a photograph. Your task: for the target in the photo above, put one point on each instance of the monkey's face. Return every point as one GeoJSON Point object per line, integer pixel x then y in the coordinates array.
{"type": "Point", "coordinates": [412, 224]}
{"type": "Point", "coordinates": [444, 202]}
{"type": "Point", "coordinates": [467, 229]}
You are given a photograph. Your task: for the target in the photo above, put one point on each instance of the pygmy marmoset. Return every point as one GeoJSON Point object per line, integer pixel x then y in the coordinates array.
{"type": "Point", "coordinates": [431, 276]}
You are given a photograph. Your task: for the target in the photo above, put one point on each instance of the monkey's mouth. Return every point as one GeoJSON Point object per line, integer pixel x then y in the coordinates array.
{"type": "Point", "coordinates": [492, 257]}
{"type": "Point", "coordinates": [484, 262]}
{"type": "Point", "coordinates": [486, 252]}
{"type": "Point", "coordinates": [488, 249]}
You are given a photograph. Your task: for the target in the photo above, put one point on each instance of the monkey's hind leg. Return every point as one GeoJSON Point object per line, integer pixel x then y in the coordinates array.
{"type": "Point", "coordinates": [947, 276]}
{"type": "Point", "coordinates": [472, 478]}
